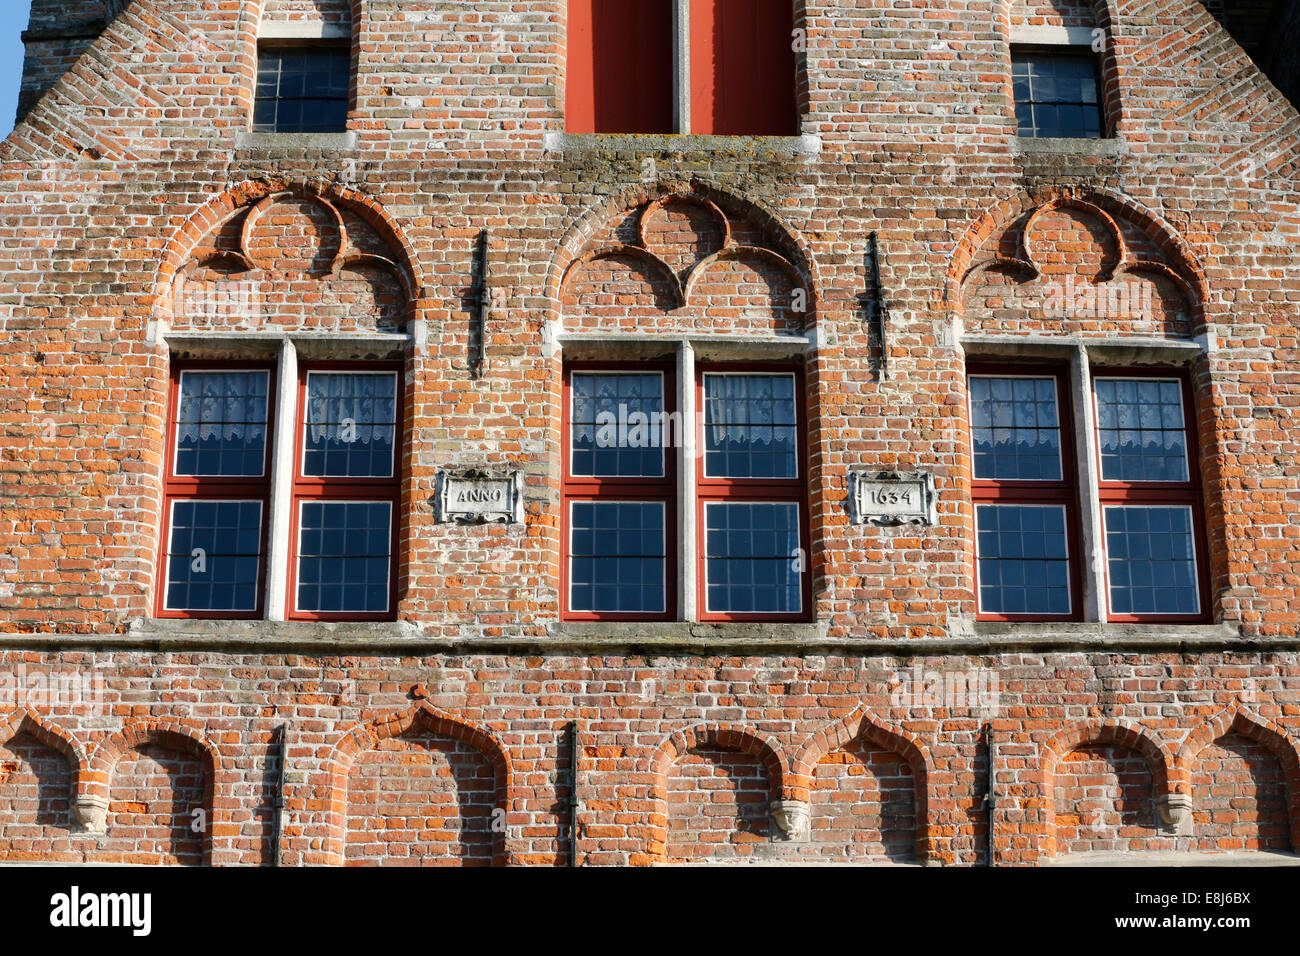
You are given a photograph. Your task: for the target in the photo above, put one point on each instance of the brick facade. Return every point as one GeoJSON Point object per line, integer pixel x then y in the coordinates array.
{"type": "Point", "coordinates": [143, 226]}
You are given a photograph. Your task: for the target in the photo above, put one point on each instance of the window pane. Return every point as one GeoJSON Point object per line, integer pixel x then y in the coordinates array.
{"type": "Point", "coordinates": [1151, 559]}
{"type": "Point", "coordinates": [752, 557]}
{"type": "Point", "coordinates": [1023, 553]}
{"type": "Point", "coordinates": [751, 426]}
{"type": "Point", "coordinates": [1056, 93]}
{"type": "Point", "coordinates": [350, 424]}
{"type": "Point", "coordinates": [344, 556]}
{"type": "Point", "coordinates": [617, 424]}
{"type": "Point", "coordinates": [617, 557]}
{"type": "Point", "coordinates": [221, 424]}
{"type": "Point", "coordinates": [1141, 430]}
{"type": "Point", "coordinates": [1016, 428]}
{"type": "Point", "coordinates": [302, 90]}
{"type": "Point", "coordinates": [214, 556]}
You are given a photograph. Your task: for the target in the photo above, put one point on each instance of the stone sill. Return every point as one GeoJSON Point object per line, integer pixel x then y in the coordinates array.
{"type": "Point", "coordinates": [1121, 350]}
{"type": "Point", "coordinates": [268, 142]}
{"type": "Point", "coordinates": [1068, 146]}
{"type": "Point", "coordinates": [1103, 636]}
{"type": "Point", "coordinates": [744, 147]}
{"type": "Point", "coordinates": [646, 639]}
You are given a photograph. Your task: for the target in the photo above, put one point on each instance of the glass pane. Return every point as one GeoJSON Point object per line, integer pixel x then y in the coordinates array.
{"type": "Point", "coordinates": [1015, 428]}
{"type": "Point", "coordinates": [617, 424]}
{"type": "Point", "coordinates": [350, 424]}
{"type": "Point", "coordinates": [617, 557]}
{"type": "Point", "coordinates": [1024, 565]}
{"type": "Point", "coordinates": [750, 426]}
{"type": "Point", "coordinates": [344, 556]}
{"type": "Point", "coordinates": [1141, 430]}
{"type": "Point", "coordinates": [302, 90]}
{"type": "Point", "coordinates": [221, 424]}
{"type": "Point", "coordinates": [1152, 560]}
{"type": "Point", "coordinates": [1056, 93]}
{"type": "Point", "coordinates": [214, 556]}
{"type": "Point", "coordinates": [753, 561]}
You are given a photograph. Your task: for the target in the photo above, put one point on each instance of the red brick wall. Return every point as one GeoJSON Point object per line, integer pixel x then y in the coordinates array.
{"type": "Point", "coordinates": [1240, 790]}
{"type": "Point", "coordinates": [717, 805]}
{"type": "Point", "coordinates": [1105, 802]}
{"type": "Point", "coordinates": [126, 187]}
{"type": "Point", "coordinates": [155, 792]}
{"type": "Point", "coordinates": [35, 801]}
{"type": "Point", "coordinates": [420, 800]}
{"type": "Point", "coordinates": [864, 805]}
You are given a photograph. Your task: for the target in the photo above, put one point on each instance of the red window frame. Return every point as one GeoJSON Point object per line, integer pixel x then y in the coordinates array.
{"type": "Point", "coordinates": [588, 488]}
{"type": "Point", "coordinates": [1032, 492]}
{"type": "Point", "coordinates": [310, 488]}
{"type": "Point", "coordinates": [1186, 493]}
{"type": "Point", "coordinates": [207, 488]}
{"type": "Point", "coordinates": [793, 490]}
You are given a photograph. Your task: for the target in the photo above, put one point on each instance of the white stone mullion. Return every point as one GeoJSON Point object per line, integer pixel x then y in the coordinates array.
{"type": "Point", "coordinates": [682, 60]}
{"type": "Point", "coordinates": [283, 437]}
{"type": "Point", "coordinates": [1088, 477]}
{"type": "Point", "coordinates": [687, 437]}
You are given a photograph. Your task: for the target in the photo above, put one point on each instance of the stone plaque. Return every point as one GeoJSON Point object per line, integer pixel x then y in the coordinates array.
{"type": "Point", "coordinates": [480, 497]}
{"type": "Point", "coordinates": [889, 498]}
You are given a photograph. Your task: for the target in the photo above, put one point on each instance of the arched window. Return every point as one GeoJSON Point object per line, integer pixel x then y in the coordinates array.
{"type": "Point", "coordinates": [1085, 464]}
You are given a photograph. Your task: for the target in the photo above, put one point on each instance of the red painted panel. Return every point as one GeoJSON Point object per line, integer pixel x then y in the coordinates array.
{"type": "Point", "coordinates": [620, 67]}
{"type": "Point", "coordinates": [742, 67]}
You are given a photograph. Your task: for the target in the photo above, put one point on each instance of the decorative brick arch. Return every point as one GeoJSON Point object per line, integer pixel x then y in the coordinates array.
{"type": "Point", "coordinates": [94, 783]}
{"type": "Point", "coordinates": [1181, 264]}
{"type": "Point", "coordinates": [864, 725]}
{"type": "Point", "coordinates": [177, 253]}
{"type": "Point", "coordinates": [580, 240]}
{"type": "Point", "coordinates": [48, 733]}
{"type": "Point", "coordinates": [1095, 731]}
{"type": "Point", "coordinates": [365, 736]}
{"type": "Point", "coordinates": [723, 737]}
{"type": "Point", "coordinates": [1269, 734]}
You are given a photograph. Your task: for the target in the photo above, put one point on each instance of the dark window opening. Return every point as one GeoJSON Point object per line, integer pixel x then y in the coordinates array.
{"type": "Point", "coordinates": [302, 89]}
{"type": "Point", "coordinates": [1027, 549]}
{"type": "Point", "coordinates": [1150, 498]}
{"type": "Point", "coordinates": [1057, 93]}
{"type": "Point", "coordinates": [1029, 561]}
{"type": "Point", "coordinates": [218, 486]}
{"type": "Point", "coordinates": [346, 492]}
{"type": "Point", "coordinates": [618, 519]}
{"type": "Point", "coordinates": [752, 495]}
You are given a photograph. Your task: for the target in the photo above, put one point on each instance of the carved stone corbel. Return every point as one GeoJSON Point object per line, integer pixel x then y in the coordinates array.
{"type": "Point", "coordinates": [1176, 812]}
{"type": "Point", "coordinates": [792, 821]}
{"type": "Point", "coordinates": [92, 813]}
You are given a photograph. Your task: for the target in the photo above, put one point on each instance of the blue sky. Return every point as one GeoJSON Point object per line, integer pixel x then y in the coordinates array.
{"type": "Point", "coordinates": [13, 21]}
